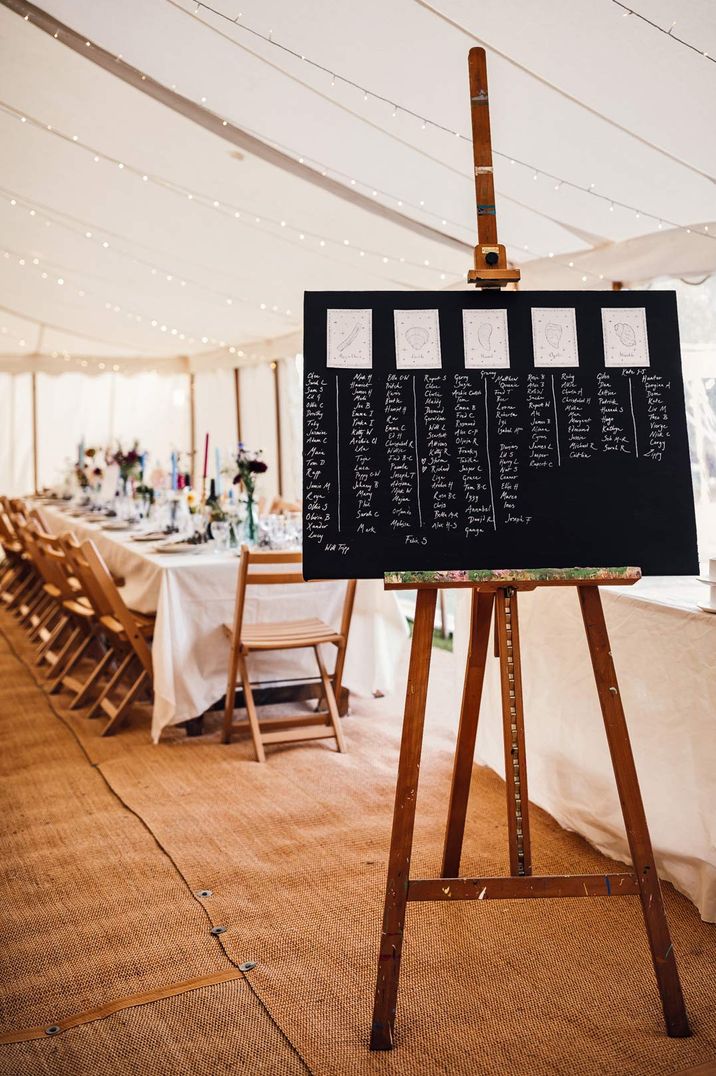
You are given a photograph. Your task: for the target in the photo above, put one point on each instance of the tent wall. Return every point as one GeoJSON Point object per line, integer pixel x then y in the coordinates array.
{"type": "Point", "coordinates": [156, 410]}
{"type": "Point", "coordinates": [16, 433]}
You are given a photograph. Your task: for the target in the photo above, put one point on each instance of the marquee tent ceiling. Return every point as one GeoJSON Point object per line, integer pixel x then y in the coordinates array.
{"type": "Point", "coordinates": [347, 188]}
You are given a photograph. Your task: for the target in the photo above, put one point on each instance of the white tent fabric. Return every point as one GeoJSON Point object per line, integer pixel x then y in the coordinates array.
{"type": "Point", "coordinates": [164, 217]}
{"type": "Point", "coordinates": [638, 142]}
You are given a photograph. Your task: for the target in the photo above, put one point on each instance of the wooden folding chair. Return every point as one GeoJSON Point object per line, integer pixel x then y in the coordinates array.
{"type": "Point", "coordinates": [284, 635]}
{"type": "Point", "coordinates": [89, 605]}
{"type": "Point", "coordinates": [65, 639]}
{"type": "Point", "coordinates": [128, 633]}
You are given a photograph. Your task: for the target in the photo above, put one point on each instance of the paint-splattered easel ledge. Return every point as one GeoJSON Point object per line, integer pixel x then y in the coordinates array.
{"type": "Point", "coordinates": [506, 576]}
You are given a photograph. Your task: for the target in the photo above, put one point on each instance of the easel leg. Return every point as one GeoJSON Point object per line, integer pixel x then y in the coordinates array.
{"type": "Point", "coordinates": [401, 841]}
{"type": "Point", "coordinates": [662, 950]}
{"type": "Point", "coordinates": [480, 618]}
{"type": "Point", "coordinates": [518, 820]}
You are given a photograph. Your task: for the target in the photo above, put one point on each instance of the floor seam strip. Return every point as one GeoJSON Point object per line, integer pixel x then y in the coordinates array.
{"type": "Point", "coordinates": [97, 766]}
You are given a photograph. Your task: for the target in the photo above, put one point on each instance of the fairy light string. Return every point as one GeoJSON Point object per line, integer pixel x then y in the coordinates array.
{"type": "Point", "coordinates": [668, 32]}
{"type": "Point", "coordinates": [424, 121]}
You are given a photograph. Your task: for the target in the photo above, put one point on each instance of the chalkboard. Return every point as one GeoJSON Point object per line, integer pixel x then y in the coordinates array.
{"type": "Point", "coordinates": [467, 430]}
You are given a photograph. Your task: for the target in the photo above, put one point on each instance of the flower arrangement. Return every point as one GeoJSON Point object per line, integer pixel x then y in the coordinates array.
{"type": "Point", "coordinates": [130, 463]}
{"type": "Point", "coordinates": [85, 473]}
{"type": "Point", "coordinates": [81, 476]}
{"type": "Point", "coordinates": [249, 466]}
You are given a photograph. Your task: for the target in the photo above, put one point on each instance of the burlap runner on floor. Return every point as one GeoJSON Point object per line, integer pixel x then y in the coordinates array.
{"type": "Point", "coordinates": [295, 852]}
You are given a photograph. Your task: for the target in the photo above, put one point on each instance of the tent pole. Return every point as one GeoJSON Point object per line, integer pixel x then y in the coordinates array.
{"type": "Point", "coordinates": [237, 398]}
{"type": "Point", "coordinates": [277, 404]}
{"type": "Point", "coordinates": [34, 431]}
{"type": "Point", "coordinates": [192, 431]}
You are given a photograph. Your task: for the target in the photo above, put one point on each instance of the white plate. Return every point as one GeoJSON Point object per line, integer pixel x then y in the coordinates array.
{"type": "Point", "coordinates": [116, 526]}
{"type": "Point", "coordinates": [178, 547]}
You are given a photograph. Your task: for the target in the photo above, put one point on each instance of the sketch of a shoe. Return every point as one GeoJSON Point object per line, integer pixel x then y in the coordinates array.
{"type": "Point", "coordinates": [350, 338]}
{"type": "Point", "coordinates": [484, 335]}
{"type": "Point", "coordinates": [626, 334]}
{"type": "Point", "coordinates": [553, 333]}
{"type": "Point", "coordinates": [417, 337]}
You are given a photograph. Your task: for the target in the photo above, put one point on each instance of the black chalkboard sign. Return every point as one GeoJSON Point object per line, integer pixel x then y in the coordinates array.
{"type": "Point", "coordinates": [494, 430]}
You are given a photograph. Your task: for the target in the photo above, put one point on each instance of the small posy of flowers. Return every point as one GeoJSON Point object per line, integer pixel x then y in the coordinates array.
{"type": "Point", "coordinates": [81, 476]}
{"type": "Point", "coordinates": [89, 472]}
{"type": "Point", "coordinates": [129, 463]}
{"type": "Point", "coordinates": [249, 466]}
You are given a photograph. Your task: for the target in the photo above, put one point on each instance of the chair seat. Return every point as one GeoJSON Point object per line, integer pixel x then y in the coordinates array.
{"type": "Point", "coordinates": [288, 635]}
{"type": "Point", "coordinates": [144, 622]}
{"type": "Point", "coordinates": [79, 608]}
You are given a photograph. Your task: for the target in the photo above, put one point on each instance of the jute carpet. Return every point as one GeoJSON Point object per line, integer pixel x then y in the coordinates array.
{"type": "Point", "coordinates": [106, 850]}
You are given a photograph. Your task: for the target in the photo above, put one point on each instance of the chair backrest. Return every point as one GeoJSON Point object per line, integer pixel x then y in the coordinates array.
{"type": "Point", "coordinates": [49, 558]}
{"type": "Point", "coordinates": [120, 612]}
{"type": "Point", "coordinates": [90, 588]}
{"type": "Point", "coordinates": [8, 534]}
{"type": "Point", "coordinates": [281, 507]}
{"type": "Point", "coordinates": [258, 567]}
{"type": "Point", "coordinates": [253, 567]}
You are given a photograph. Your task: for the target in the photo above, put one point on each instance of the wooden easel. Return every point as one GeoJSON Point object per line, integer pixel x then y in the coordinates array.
{"type": "Point", "coordinates": [499, 592]}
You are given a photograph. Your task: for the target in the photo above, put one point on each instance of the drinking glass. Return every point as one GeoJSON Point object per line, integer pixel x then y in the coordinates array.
{"type": "Point", "coordinates": [220, 534]}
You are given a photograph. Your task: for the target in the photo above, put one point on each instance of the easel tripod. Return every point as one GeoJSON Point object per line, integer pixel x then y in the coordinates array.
{"type": "Point", "coordinates": [498, 593]}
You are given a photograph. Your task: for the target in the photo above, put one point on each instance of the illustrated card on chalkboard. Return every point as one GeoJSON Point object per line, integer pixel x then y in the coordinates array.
{"type": "Point", "coordinates": [468, 430]}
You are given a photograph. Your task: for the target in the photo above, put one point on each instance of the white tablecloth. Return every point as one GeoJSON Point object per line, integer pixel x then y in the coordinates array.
{"type": "Point", "coordinates": [193, 597]}
{"type": "Point", "coordinates": [664, 650]}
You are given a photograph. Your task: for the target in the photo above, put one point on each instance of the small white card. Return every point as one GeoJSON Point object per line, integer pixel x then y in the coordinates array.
{"type": "Point", "coordinates": [554, 336]}
{"type": "Point", "coordinates": [417, 340]}
{"type": "Point", "coordinates": [625, 338]}
{"type": "Point", "coordinates": [350, 339]}
{"type": "Point", "coordinates": [485, 338]}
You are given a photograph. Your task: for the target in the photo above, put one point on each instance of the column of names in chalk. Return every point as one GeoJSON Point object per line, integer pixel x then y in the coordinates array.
{"type": "Point", "coordinates": [318, 470]}
{"type": "Point", "coordinates": [436, 454]}
{"type": "Point", "coordinates": [363, 443]}
{"type": "Point", "coordinates": [471, 439]}
{"type": "Point", "coordinates": [543, 450]}
{"type": "Point", "coordinates": [401, 453]}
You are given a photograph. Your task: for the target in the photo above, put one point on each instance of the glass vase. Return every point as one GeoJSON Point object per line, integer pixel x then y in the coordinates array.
{"type": "Point", "coordinates": [251, 522]}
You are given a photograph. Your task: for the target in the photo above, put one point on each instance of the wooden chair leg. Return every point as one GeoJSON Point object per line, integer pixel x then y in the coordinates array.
{"type": "Point", "coordinates": [230, 692]}
{"type": "Point", "coordinates": [63, 654]}
{"type": "Point", "coordinates": [657, 928]}
{"type": "Point", "coordinates": [53, 635]}
{"type": "Point", "coordinates": [337, 678]}
{"type": "Point", "coordinates": [401, 841]}
{"type": "Point", "coordinates": [119, 672]}
{"type": "Point", "coordinates": [56, 682]}
{"type": "Point", "coordinates": [119, 712]}
{"type": "Point", "coordinates": [480, 620]}
{"type": "Point", "coordinates": [43, 614]}
{"type": "Point", "coordinates": [518, 822]}
{"type": "Point", "coordinates": [251, 709]}
{"type": "Point", "coordinates": [330, 701]}
{"type": "Point", "coordinates": [83, 693]}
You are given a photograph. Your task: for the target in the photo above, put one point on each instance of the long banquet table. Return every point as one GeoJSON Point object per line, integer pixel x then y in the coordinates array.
{"type": "Point", "coordinates": [664, 651]}
{"type": "Point", "coordinates": [193, 598]}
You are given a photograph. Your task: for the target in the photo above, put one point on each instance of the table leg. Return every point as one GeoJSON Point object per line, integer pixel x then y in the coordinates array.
{"type": "Point", "coordinates": [657, 928]}
{"type": "Point", "coordinates": [401, 841]}
{"type": "Point", "coordinates": [194, 726]}
{"type": "Point", "coordinates": [480, 619]}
